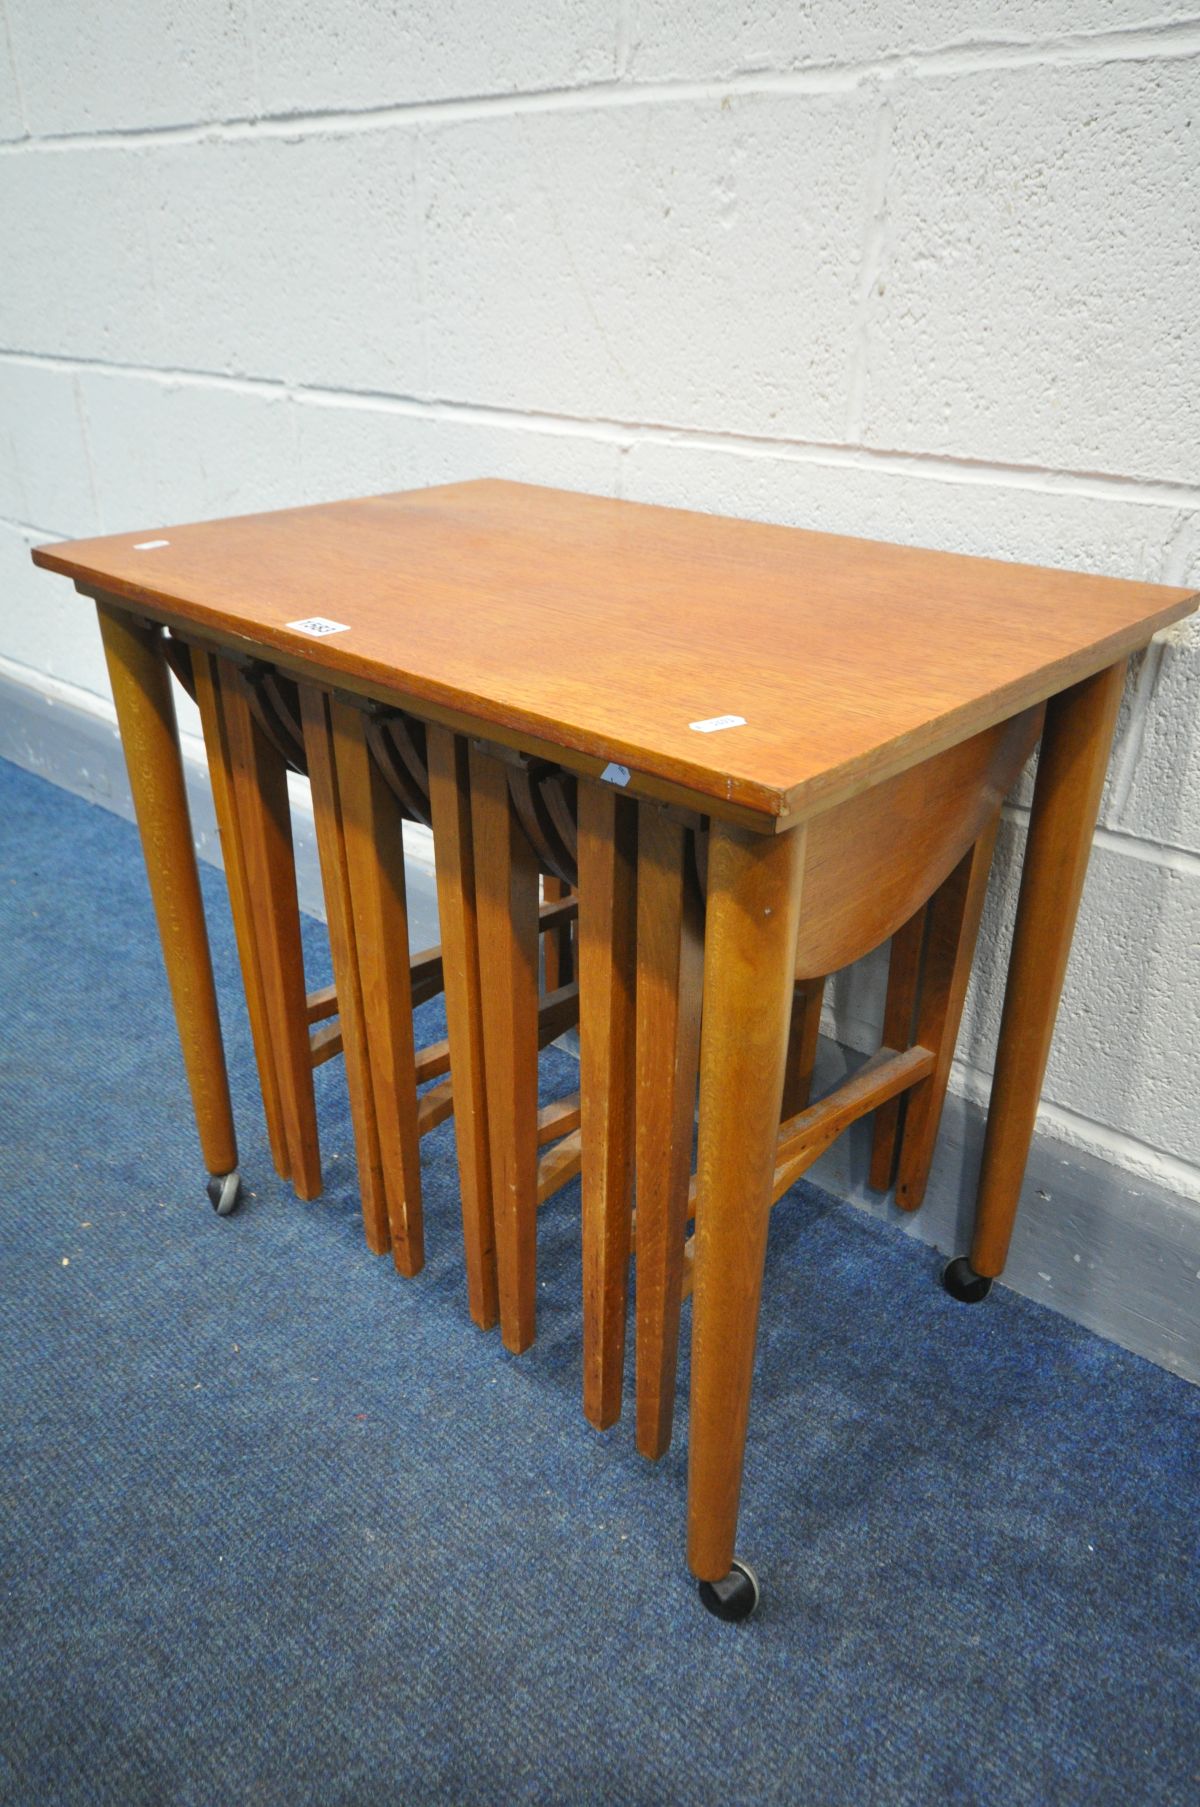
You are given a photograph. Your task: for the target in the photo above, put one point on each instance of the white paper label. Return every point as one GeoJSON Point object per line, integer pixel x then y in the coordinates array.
{"type": "Point", "coordinates": [317, 626]}
{"type": "Point", "coordinates": [716, 722]}
{"type": "Point", "coordinates": [150, 545]}
{"type": "Point", "coordinates": [615, 774]}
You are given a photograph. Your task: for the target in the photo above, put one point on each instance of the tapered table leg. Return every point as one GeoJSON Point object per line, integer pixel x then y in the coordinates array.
{"type": "Point", "coordinates": [241, 903]}
{"type": "Point", "coordinates": [954, 913]}
{"type": "Point", "coordinates": [754, 884]}
{"type": "Point", "coordinates": [670, 974]}
{"type": "Point", "coordinates": [261, 799]}
{"type": "Point", "coordinates": [558, 965]}
{"type": "Point", "coordinates": [1066, 800]}
{"type": "Point", "coordinates": [141, 686]}
{"type": "Point", "coordinates": [506, 898]}
{"type": "Point", "coordinates": [454, 856]}
{"type": "Point", "coordinates": [373, 828]}
{"type": "Point", "coordinates": [904, 972]}
{"type": "Point", "coordinates": [343, 948]}
{"type": "Point", "coordinates": [607, 852]}
{"type": "Point", "coordinates": [802, 1046]}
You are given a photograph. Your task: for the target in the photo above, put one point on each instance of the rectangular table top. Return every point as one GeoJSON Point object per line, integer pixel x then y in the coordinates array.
{"type": "Point", "coordinates": [613, 628]}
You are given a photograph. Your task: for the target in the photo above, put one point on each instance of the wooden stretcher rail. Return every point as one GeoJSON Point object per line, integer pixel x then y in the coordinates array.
{"type": "Point", "coordinates": [558, 1119]}
{"type": "Point", "coordinates": [559, 1011]}
{"type": "Point", "coordinates": [558, 1165]}
{"type": "Point", "coordinates": [433, 1061]}
{"type": "Point", "coordinates": [325, 1044]}
{"type": "Point", "coordinates": [555, 1120]}
{"type": "Point", "coordinates": [807, 1136]}
{"type": "Point", "coordinates": [434, 1106]}
{"type": "Point", "coordinates": [427, 982]}
{"type": "Point", "coordinates": [321, 1004]}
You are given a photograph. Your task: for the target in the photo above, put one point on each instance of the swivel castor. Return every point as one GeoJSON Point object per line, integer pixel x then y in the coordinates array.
{"type": "Point", "coordinates": [963, 1283]}
{"type": "Point", "coordinates": [224, 1191]}
{"type": "Point", "coordinates": [735, 1596]}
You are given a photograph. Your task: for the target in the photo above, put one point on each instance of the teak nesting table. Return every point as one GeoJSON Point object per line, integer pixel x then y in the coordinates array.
{"type": "Point", "coordinates": [782, 748]}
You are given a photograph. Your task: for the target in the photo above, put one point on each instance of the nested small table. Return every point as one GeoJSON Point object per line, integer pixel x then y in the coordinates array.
{"type": "Point", "coordinates": [766, 681]}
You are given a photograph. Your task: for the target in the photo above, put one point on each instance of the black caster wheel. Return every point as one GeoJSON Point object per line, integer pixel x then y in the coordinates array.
{"type": "Point", "coordinates": [963, 1283]}
{"type": "Point", "coordinates": [224, 1191]}
{"type": "Point", "coordinates": [735, 1596]}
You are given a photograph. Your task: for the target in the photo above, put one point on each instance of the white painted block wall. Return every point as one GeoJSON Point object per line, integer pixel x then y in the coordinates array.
{"type": "Point", "coordinates": [928, 272]}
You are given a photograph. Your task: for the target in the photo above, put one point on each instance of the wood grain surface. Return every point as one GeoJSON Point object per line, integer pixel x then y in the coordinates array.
{"type": "Point", "coordinates": [609, 628]}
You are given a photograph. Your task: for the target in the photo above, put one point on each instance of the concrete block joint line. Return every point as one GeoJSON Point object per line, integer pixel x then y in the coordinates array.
{"type": "Point", "coordinates": [925, 275]}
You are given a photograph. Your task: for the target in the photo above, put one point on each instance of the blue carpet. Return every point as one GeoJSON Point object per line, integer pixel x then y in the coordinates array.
{"type": "Point", "coordinates": [281, 1527]}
